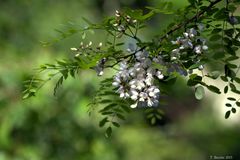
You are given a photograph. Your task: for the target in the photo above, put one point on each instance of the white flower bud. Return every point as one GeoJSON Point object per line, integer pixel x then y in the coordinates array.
{"type": "Point", "coordinates": [90, 43]}
{"type": "Point", "coordinates": [74, 49]}
{"type": "Point", "coordinates": [150, 102]}
{"type": "Point", "coordinates": [100, 73]}
{"type": "Point", "coordinates": [115, 84]}
{"type": "Point", "coordinates": [201, 67]}
{"type": "Point", "coordinates": [134, 21]}
{"type": "Point", "coordinates": [134, 105]}
{"type": "Point", "coordinates": [205, 47]}
{"type": "Point", "coordinates": [159, 75]}
{"type": "Point", "coordinates": [185, 34]}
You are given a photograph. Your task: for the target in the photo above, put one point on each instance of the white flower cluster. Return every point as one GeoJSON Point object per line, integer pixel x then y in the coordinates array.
{"type": "Point", "coordinates": [121, 22]}
{"type": "Point", "coordinates": [189, 40]}
{"type": "Point", "coordinates": [85, 50]}
{"type": "Point", "coordinates": [136, 81]}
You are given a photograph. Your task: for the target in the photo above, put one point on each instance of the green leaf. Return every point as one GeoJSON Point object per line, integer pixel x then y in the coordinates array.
{"type": "Point", "coordinates": [214, 89]}
{"type": "Point", "coordinates": [199, 92]}
{"type": "Point", "coordinates": [194, 79]}
{"type": "Point", "coordinates": [108, 107]}
{"type": "Point", "coordinates": [103, 122]}
{"type": "Point", "coordinates": [216, 30]}
{"type": "Point", "coordinates": [107, 113]}
{"type": "Point", "coordinates": [120, 116]}
{"type": "Point", "coordinates": [83, 35]}
{"type": "Point", "coordinates": [227, 114]}
{"type": "Point", "coordinates": [232, 58]}
{"type": "Point", "coordinates": [58, 84]}
{"type": "Point", "coordinates": [232, 86]}
{"type": "Point", "coordinates": [196, 65]}
{"type": "Point", "coordinates": [153, 120]}
{"type": "Point", "coordinates": [64, 73]}
{"type": "Point", "coordinates": [116, 124]}
{"type": "Point", "coordinates": [225, 89]}
{"type": "Point", "coordinates": [233, 110]}
{"type": "Point", "coordinates": [25, 96]}
{"type": "Point", "coordinates": [228, 105]}
{"type": "Point", "coordinates": [231, 99]}
{"type": "Point", "coordinates": [105, 101]}
{"type": "Point", "coordinates": [108, 132]}
{"type": "Point", "coordinates": [238, 104]}
{"type": "Point", "coordinates": [236, 79]}
{"type": "Point", "coordinates": [224, 78]}
{"type": "Point", "coordinates": [215, 37]}
{"type": "Point", "coordinates": [236, 91]}
{"type": "Point", "coordinates": [232, 65]}
{"type": "Point", "coordinates": [158, 116]}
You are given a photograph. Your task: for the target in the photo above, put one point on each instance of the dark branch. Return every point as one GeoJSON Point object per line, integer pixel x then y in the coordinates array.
{"type": "Point", "coordinates": [197, 16]}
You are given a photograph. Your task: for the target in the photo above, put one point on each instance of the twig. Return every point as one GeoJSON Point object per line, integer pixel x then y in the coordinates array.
{"type": "Point", "coordinates": [197, 16]}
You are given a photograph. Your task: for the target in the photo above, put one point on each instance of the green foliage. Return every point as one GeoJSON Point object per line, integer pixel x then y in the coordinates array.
{"type": "Point", "coordinates": [211, 22]}
{"type": "Point", "coordinates": [154, 114]}
{"type": "Point", "coordinates": [113, 109]}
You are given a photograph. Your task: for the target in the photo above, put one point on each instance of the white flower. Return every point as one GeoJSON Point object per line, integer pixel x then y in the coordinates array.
{"type": "Point", "coordinates": [185, 34]}
{"type": "Point", "coordinates": [74, 49]}
{"type": "Point", "coordinates": [90, 43]}
{"type": "Point", "coordinates": [204, 47]}
{"type": "Point", "coordinates": [134, 21]}
{"type": "Point", "coordinates": [181, 47]}
{"type": "Point", "coordinates": [149, 79]}
{"type": "Point", "coordinates": [99, 70]}
{"type": "Point", "coordinates": [201, 67]}
{"type": "Point", "coordinates": [121, 28]}
{"type": "Point", "coordinates": [192, 33]}
{"type": "Point", "coordinates": [159, 75]}
{"type": "Point", "coordinates": [153, 91]}
{"type": "Point", "coordinates": [116, 84]}
{"type": "Point", "coordinates": [123, 65]}
{"type": "Point", "coordinates": [132, 72]}
{"type": "Point", "coordinates": [140, 84]}
{"type": "Point", "coordinates": [122, 94]}
{"type": "Point", "coordinates": [117, 13]}
{"type": "Point", "coordinates": [141, 55]}
{"type": "Point", "coordinates": [134, 95]}
{"type": "Point", "coordinates": [149, 102]}
{"type": "Point", "coordinates": [173, 58]}
{"type": "Point", "coordinates": [197, 49]}
{"type": "Point", "coordinates": [175, 51]}
{"type": "Point", "coordinates": [134, 105]}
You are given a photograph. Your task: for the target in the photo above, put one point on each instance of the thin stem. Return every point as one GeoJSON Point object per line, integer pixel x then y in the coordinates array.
{"type": "Point", "coordinates": [198, 15]}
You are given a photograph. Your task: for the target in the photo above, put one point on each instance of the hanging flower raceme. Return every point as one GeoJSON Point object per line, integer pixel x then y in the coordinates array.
{"type": "Point", "coordinates": [135, 81]}
{"type": "Point", "coordinates": [190, 41]}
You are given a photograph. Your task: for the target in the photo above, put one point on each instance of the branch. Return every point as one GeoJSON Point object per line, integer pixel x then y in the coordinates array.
{"type": "Point", "coordinates": [195, 17]}
{"type": "Point", "coordinates": [198, 15]}
{"type": "Point", "coordinates": [126, 56]}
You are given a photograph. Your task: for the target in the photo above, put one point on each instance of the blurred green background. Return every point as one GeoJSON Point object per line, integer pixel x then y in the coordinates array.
{"type": "Point", "coordinates": [59, 128]}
